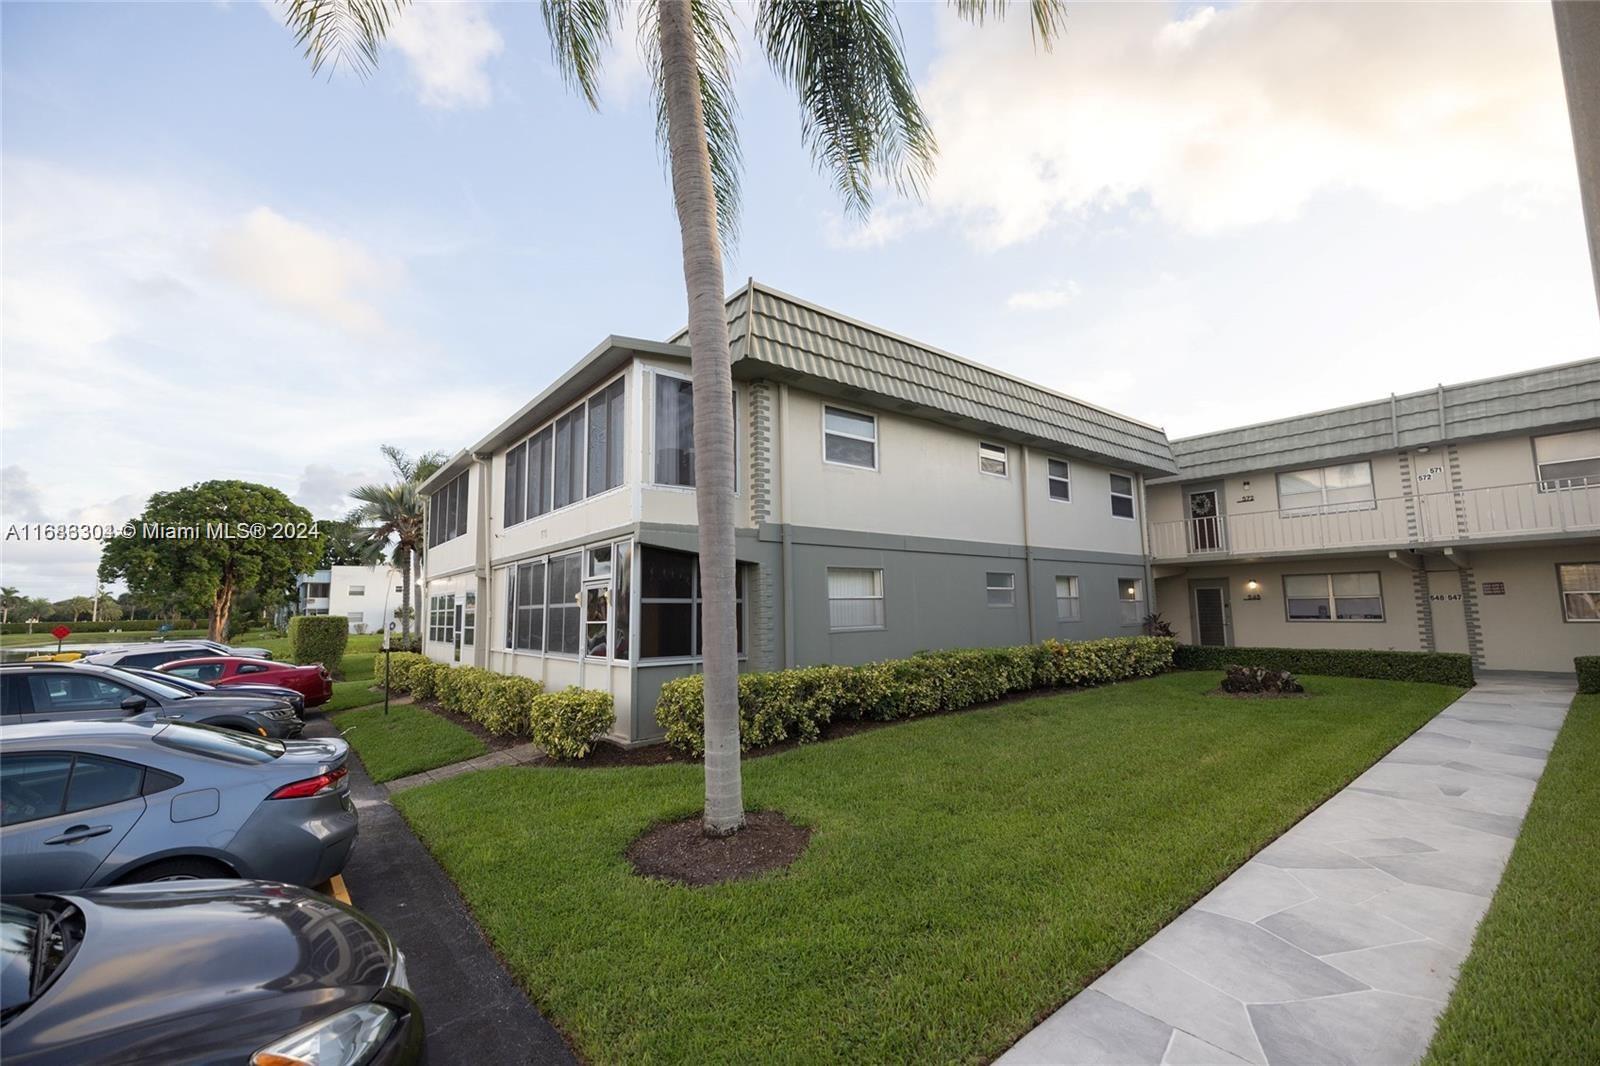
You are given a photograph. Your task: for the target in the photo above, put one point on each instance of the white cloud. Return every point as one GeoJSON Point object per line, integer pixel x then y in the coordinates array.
{"type": "Point", "coordinates": [1044, 299]}
{"type": "Point", "coordinates": [303, 269]}
{"type": "Point", "coordinates": [325, 489]}
{"type": "Point", "coordinates": [1241, 116]}
{"type": "Point", "coordinates": [448, 47]}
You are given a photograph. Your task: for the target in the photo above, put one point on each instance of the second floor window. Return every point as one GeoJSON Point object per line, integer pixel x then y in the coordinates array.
{"type": "Point", "coordinates": [1320, 490]}
{"type": "Point", "coordinates": [357, 590]}
{"type": "Point", "coordinates": [1060, 479]}
{"type": "Point", "coordinates": [569, 457]}
{"type": "Point", "coordinates": [1568, 460]}
{"type": "Point", "coordinates": [849, 438]}
{"type": "Point", "coordinates": [606, 435]}
{"type": "Point", "coordinates": [1122, 495]}
{"type": "Point", "coordinates": [674, 431]}
{"type": "Point", "coordinates": [992, 459]}
{"type": "Point", "coordinates": [447, 511]}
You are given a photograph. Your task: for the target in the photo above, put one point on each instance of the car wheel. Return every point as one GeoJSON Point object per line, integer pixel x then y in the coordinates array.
{"type": "Point", "coordinates": [177, 870]}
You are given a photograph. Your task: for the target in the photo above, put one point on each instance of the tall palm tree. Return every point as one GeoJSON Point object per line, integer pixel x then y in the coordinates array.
{"type": "Point", "coordinates": [9, 598]}
{"type": "Point", "coordinates": [392, 515]}
{"type": "Point", "coordinates": [860, 118]}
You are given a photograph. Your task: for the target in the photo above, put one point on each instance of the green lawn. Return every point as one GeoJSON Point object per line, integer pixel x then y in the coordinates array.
{"type": "Point", "coordinates": [967, 873]}
{"type": "Point", "coordinates": [1530, 989]}
{"type": "Point", "coordinates": [42, 639]}
{"type": "Point", "coordinates": [348, 694]}
{"type": "Point", "coordinates": [407, 740]}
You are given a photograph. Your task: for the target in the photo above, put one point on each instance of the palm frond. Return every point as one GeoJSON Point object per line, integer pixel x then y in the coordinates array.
{"type": "Point", "coordinates": [1049, 16]}
{"type": "Point", "coordinates": [331, 32]}
{"type": "Point", "coordinates": [859, 113]}
{"type": "Point", "coordinates": [579, 32]}
{"type": "Point", "coordinates": [716, 53]}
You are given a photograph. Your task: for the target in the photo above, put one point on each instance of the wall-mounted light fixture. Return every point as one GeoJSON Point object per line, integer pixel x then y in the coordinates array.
{"type": "Point", "coordinates": [1252, 585]}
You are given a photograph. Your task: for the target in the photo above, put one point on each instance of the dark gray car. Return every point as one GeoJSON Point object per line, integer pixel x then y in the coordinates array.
{"type": "Point", "coordinates": [206, 972]}
{"type": "Point", "coordinates": [79, 692]}
{"type": "Point", "coordinates": [88, 804]}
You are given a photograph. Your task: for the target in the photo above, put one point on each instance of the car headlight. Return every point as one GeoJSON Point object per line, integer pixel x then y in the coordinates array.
{"type": "Point", "coordinates": [346, 1039]}
{"type": "Point", "coordinates": [280, 714]}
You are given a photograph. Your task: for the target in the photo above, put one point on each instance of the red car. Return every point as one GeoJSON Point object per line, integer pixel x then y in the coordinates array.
{"type": "Point", "coordinates": [313, 682]}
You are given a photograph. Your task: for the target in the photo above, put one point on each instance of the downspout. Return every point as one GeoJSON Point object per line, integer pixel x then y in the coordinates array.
{"type": "Point", "coordinates": [785, 525]}
{"type": "Point", "coordinates": [1144, 549]}
{"type": "Point", "coordinates": [1027, 554]}
{"type": "Point", "coordinates": [483, 619]}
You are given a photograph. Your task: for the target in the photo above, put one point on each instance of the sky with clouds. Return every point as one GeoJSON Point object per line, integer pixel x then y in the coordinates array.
{"type": "Point", "coordinates": [216, 265]}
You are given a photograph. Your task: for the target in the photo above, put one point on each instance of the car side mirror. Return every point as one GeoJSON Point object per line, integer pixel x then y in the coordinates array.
{"type": "Point", "coordinates": [135, 704]}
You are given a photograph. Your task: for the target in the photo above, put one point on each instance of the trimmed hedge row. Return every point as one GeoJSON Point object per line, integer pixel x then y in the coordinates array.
{"type": "Point", "coordinates": [136, 625]}
{"type": "Point", "coordinates": [796, 704]}
{"type": "Point", "coordinates": [1588, 667]}
{"type": "Point", "coordinates": [1442, 668]}
{"type": "Point", "coordinates": [565, 724]}
{"type": "Point", "coordinates": [319, 638]}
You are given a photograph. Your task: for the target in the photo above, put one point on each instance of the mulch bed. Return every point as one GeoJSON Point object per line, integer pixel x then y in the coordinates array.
{"type": "Point", "coordinates": [1262, 695]}
{"type": "Point", "coordinates": [681, 853]}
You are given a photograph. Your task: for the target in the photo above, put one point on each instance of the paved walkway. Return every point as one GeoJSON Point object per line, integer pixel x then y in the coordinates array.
{"type": "Point", "coordinates": [517, 756]}
{"type": "Point", "coordinates": [1340, 941]}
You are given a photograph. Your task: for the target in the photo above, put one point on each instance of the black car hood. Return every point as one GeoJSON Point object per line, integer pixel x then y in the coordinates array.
{"type": "Point", "coordinates": [211, 706]}
{"type": "Point", "coordinates": [199, 972]}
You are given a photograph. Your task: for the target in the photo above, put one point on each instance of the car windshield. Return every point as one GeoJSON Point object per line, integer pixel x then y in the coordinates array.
{"type": "Point", "coordinates": [216, 743]}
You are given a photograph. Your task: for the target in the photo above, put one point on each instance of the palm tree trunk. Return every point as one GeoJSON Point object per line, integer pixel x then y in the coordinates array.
{"type": "Point", "coordinates": [713, 412]}
{"type": "Point", "coordinates": [405, 604]}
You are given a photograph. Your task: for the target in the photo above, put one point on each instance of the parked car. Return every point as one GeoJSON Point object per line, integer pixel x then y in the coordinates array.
{"type": "Point", "coordinates": [313, 681]}
{"type": "Point", "coordinates": [90, 804]}
{"type": "Point", "coordinates": [200, 688]}
{"type": "Point", "coordinates": [205, 972]}
{"type": "Point", "coordinates": [154, 653]}
{"type": "Point", "coordinates": [71, 692]}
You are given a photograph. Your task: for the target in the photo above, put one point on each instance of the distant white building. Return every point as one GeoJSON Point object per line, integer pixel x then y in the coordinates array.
{"type": "Point", "coordinates": [368, 596]}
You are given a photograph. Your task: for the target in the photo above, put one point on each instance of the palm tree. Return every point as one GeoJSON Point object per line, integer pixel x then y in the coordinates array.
{"type": "Point", "coordinates": [393, 514]}
{"type": "Point", "coordinates": [860, 118]}
{"type": "Point", "coordinates": [9, 598]}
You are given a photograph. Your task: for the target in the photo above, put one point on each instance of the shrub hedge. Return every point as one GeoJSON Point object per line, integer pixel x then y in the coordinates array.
{"type": "Point", "coordinates": [136, 625]}
{"type": "Point", "coordinates": [796, 704]}
{"type": "Point", "coordinates": [319, 638]}
{"type": "Point", "coordinates": [1443, 668]}
{"type": "Point", "coordinates": [566, 724]}
{"type": "Point", "coordinates": [1588, 667]}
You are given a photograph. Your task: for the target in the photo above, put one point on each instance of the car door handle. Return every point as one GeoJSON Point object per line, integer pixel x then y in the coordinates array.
{"type": "Point", "coordinates": [80, 832]}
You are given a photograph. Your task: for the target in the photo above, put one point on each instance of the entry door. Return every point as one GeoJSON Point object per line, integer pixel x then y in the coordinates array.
{"type": "Point", "coordinates": [1211, 616]}
{"type": "Point", "coordinates": [1205, 529]}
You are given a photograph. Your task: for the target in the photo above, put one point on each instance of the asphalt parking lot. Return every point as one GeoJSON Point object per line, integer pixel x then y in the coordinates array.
{"type": "Point", "coordinates": [473, 1009]}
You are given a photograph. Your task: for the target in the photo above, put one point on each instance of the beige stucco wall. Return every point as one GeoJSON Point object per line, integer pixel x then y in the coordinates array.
{"type": "Point", "coordinates": [1524, 629]}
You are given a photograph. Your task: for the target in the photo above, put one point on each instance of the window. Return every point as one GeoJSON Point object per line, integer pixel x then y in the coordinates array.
{"type": "Point", "coordinates": [102, 782]}
{"type": "Point", "coordinates": [606, 436]}
{"type": "Point", "coordinates": [251, 668]}
{"type": "Point", "coordinates": [199, 671]}
{"type": "Point", "coordinates": [1002, 589]}
{"type": "Point", "coordinates": [669, 604]}
{"type": "Point", "coordinates": [1354, 597]}
{"type": "Point", "coordinates": [1122, 495]}
{"type": "Point", "coordinates": [674, 428]}
{"type": "Point", "coordinates": [855, 598]}
{"type": "Point", "coordinates": [469, 618]}
{"type": "Point", "coordinates": [1325, 490]}
{"type": "Point", "coordinates": [525, 607]}
{"type": "Point", "coordinates": [516, 484]}
{"type": "Point", "coordinates": [317, 589]}
{"type": "Point", "coordinates": [992, 459]}
{"type": "Point", "coordinates": [1059, 477]}
{"type": "Point", "coordinates": [562, 609]}
{"type": "Point", "coordinates": [1068, 607]}
{"type": "Point", "coordinates": [1580, 591]}
{"type": "Point", "coordinates": [442, 619]}
{"type": "Point", "coordinates": [358, 590]}
{"type": "Point", "coordinates": [447, 512]}
{"type": "Point", "coordinates": [569, 458]}
{"type": "Point", "coordinates": [849, 438]}
{"type": "Point", "coordinates": [1568, 460]}
{"type": "Point", "coordinates": [600, 561]}
{"type": "Point", "coordinates": [541, 476]}
{"type": "Point", "coordinates": [58, 692]}
{"type": "Point", "coordinates": [1130, 594]}
{"type": "Point", "coordinates": [622, 601]}
{"type": "Point", "coordinates": [33, 787]}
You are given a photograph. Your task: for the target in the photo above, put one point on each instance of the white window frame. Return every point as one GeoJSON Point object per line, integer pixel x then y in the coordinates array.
{"type": "Point", "coordinates": [1069, 608]}
{"type": "Point", "coordinates": [985, 453]}
{"type": "Point", "coordinates": [1557, 484]}
{"type": "Point", "coordinates": [1333, 601]}
{"type": "Point", "coordinates": [356, 590]}
{"type": "Point", "coordinates": [1132, 495]}
{"type": "Point", "coordinates": [1009, 587]}
{"type": "Point", "coordinates": [550, 424]}
{"type": "Point", "coordinates": [877, 576]}
{"type": "Point", "coordinates": [1564, 592]}
{"type": "Point", "coordinates": [1136, 601]}
{"type": "Point", "coordinates": [1369, 504]}
{"type": "Point", "coordinates": [1050, 478]}
{"type": "Point", "coordinates": [649, 388]}
{"type": "Point", "coordinates": [873, 440]}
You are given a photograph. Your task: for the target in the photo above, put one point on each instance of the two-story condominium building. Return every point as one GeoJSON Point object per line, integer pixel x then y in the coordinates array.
{"type": "Point", "coordinates": [368, 596]}
{"type": "Point", "coordinates": [892, 498]}
{"type": "Point", "coordinates": [1465, 519]}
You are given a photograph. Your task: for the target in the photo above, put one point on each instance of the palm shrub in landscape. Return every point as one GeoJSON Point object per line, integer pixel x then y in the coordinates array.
{"type": "Point", "coordinates": [319, 638]}
{"type": "Point", "coordinates": [1440, 668]}
{"type": "Point", "coordinates": [795, 704]}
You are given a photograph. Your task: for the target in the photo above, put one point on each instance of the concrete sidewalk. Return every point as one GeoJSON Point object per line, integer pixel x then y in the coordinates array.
{"type": "Point", "coordinates": [517, 756]}
{"type": "Point", "coordinates": [1340, 941]}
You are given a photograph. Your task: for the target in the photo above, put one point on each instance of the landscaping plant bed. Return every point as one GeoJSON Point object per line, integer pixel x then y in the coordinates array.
{"type": "Point", "coordinates": [1219, 691]}
{"type": "Point", "coordinates": [681, 852]}
{"type": "Point", "coordinates": [493, 741]}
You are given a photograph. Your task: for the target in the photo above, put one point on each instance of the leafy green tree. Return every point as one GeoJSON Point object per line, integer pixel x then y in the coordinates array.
{"type": "Point", "coordinates": [71, 609]}
{"type": "Point", "coordinates": [345, 543]}
{"type": "Point", "coordinates": [859, 117]}
{"type": "Point", "coordinates": [212, 566]}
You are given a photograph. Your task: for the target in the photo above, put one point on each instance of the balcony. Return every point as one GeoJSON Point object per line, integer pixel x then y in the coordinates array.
{"type": "Point", "coordinates": [1502, 513]}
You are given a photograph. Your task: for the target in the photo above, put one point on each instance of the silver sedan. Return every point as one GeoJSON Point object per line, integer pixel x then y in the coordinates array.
{"type": "Point", "coordinates": [86, 804]}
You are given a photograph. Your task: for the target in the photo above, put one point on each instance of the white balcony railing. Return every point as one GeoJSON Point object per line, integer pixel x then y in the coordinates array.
{"type": "Point", "coordinates": [1502, 512]}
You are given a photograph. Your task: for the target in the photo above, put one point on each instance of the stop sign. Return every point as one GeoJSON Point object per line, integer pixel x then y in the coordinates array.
{"type": "Point", "coordinates": [61, 632]}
